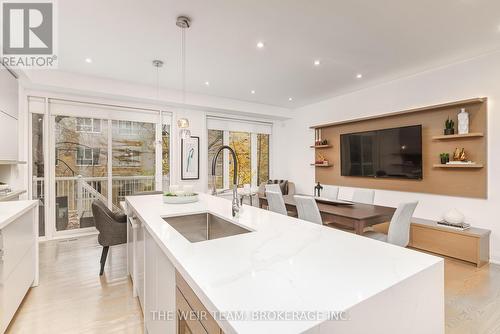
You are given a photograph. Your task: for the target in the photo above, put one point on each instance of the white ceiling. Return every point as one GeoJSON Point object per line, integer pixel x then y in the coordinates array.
{"type": "Point", "coordinates": [382, 39]}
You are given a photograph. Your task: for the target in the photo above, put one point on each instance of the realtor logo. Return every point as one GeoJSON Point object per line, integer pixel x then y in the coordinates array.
{"type": "Point", "coordinates": [28, 34]}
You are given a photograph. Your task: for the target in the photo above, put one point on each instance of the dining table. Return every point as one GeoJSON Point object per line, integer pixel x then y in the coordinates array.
{"type": "Point", "coordinates": [355, 216]}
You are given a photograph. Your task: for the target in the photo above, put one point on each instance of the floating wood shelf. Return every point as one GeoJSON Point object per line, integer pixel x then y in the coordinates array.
{"type": "Point", "coordinates": [320, 146]}
{"type": "Point", "coordinates": [321, 165]}
{"type": "Point", "coordinates": [461, 103]}
{"type": "Point", "coordinates": [458, 166]}
{"type": "Point", "coordinates": [468, 135]}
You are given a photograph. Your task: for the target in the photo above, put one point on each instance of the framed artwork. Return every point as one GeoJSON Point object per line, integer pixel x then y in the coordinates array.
{"type": "Point", "coordinates": [190, 158]}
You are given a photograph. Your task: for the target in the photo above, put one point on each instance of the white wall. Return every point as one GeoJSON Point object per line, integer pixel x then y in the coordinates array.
{"type": "Point", "coordinates": [77, 87]}
{"type": "Point", "coordinates": [478, 77]}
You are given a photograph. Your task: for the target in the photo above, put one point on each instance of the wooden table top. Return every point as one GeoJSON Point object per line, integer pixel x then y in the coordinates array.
{"type": "Point", "coordinates": [356, 211]}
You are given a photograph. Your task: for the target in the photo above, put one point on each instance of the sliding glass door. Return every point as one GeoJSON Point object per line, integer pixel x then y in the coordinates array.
{"type": "Point", "coordinates": [38, 191]}
{"type": "Point", "coordinates": [81, 169]}
{"type": "Point", "coordinates": [77, 160]}
{"type": "Point", "coordinates": [133, 150]}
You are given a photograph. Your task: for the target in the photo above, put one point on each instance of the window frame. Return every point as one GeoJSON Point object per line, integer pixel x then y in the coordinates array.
{"type": "Point", "coordinates": [227, 179]}
{"type": "Point", "coordinates": [92, 150]}
{"type": "Point", "coordinates": [88, 128]}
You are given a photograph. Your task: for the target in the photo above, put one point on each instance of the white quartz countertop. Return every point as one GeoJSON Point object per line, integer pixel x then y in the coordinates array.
{"type": "Point", "coordinates": [284, 265]}
{"type": "Point", "coordinates": [10, 211]}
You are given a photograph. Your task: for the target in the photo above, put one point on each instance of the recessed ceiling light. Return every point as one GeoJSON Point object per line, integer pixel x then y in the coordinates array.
{"type": "Point", "coordinates": [207, 83]}
{"type": "Point", "coordinates": [88, 60]}
{"type": "Point", "coordinates": [260, 45]}
{"type": "Point", "coordinates": [290, 99]}
{"type": "Point", "coordinates": [317, 62]}
{"type": "Point", "coordinates": [359, 76]}
{"type": "Point", "coordinates": [252, 92]}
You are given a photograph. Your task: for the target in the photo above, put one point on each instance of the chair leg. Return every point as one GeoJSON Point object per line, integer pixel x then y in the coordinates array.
{"type": "Point", "coordinates": [104, 255]}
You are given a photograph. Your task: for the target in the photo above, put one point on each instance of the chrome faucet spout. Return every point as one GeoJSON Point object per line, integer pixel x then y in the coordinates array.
{"type": "Point", "coordinates": [235, 203]}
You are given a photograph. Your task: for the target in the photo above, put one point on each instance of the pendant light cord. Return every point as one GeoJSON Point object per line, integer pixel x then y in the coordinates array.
{"type": "Point", "coordinates": [183, 65]}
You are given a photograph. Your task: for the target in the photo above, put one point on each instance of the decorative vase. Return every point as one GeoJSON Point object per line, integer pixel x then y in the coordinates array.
{"type": "Point", "coordinates": [443, 160]}
{"type": "Point", "coordinates": [463, 122]}
{"type": "Point", "coordinates": [454, 217]}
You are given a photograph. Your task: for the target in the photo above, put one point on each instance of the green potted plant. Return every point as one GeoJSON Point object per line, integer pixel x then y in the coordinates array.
{"type": "Point", "coordinates": [449, 127]}
{"type": "Point", "coordinates": [445, 158]}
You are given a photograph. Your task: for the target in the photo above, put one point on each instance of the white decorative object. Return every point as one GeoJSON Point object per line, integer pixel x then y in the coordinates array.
{"type": "Point", "coordinates": [180, 199]}
{"type": "Point", "coordinates": [174, 189]}
{"type": "Point", "coordinates": [454, 217]}
{"type": "Point", "coordinates": [463, 122]}
{"type": "Point", "coordinates": [188, 189]}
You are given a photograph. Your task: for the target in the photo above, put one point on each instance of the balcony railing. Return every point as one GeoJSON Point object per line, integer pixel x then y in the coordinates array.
{"type": "Point", "coordinates": [78, 193]}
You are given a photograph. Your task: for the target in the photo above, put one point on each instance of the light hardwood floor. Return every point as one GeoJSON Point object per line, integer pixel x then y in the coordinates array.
{"type": "Point", "coordinates": [72, 298]}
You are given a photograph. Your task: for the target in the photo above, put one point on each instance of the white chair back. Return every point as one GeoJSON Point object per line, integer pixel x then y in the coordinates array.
{"type": "Point", "coordinates": [330, 192]}
{"type": "Point", "coordinates": [275, 202]}
{"type": "Point", "coordinates": [307, 209]}
{"type": "Point", "coordinates": [363, 196]}
{"type": "Point", "coordinates": [399, 228]}
{"type": "Point", "coordinates": [273, 187]}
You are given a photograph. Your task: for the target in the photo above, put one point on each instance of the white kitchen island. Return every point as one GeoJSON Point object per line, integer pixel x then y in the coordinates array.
{"type": "Point", "coordinates": [285, 276]}
{"type": "Point", "coordinates": [18, 255]}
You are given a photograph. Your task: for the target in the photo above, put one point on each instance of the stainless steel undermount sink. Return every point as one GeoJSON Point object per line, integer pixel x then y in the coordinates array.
{"type": "Point", "coordinates": [204, 226]}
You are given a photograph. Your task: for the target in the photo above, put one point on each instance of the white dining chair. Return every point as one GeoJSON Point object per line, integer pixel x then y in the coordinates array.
{"type": "Point", "coordinates": [330, 192]}
{"type": "Point", "coordinates": [275, 202]}
{"type": "Point", "coordinates": [399, 227]}
{"type": "Point", "coordinates": [363, 196]}
{"type": "Point", "coordinates": [307, 209]}
{"type": "Point", "coordinates": [274, 187]}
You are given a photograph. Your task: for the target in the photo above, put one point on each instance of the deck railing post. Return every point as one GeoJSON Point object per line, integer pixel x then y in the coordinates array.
{"type": "Point", "coordinates": [79, 195]}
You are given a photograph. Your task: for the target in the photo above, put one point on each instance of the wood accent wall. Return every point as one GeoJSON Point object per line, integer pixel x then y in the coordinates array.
{"type": "Point", "coordinates": [465, 182]}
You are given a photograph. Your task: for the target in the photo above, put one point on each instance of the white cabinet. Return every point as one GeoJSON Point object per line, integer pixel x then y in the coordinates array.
{"type": "Point", "coordinates": [8, 137]}
{"type": "Point", "coordinates": [159, 290]}
{"type": "Point", "coordinates": [8, 93]}
{"type": "Point", "coordinates": [139, 265]}
{"type": "Point", "coordinates": [18, 258]}
{"type": "Point", "coordinates": [8, 115]}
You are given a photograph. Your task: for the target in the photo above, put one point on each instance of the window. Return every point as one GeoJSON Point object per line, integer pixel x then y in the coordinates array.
{"type": "Point", "coordinates": [250, 140]}
{"type": "Point", "coordinates": [86, 156]}
{"type": "Point", "coordinates": [165, 155]}
{"type": "Point", "coordinates": [215, 141]}
{"type": "Point", "coordinates": [240, 143]}
{"type": "Point", "coordinates": [127, 127]}
{"type": "Point", "coordinates": [88, 125]}
{"type": "Point", "coordinates": [262, 158]}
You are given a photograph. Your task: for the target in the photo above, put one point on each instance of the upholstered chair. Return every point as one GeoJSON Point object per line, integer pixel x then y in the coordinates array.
{"type": "Point", "coordinates": [307, 209]}
{"type": "Point", "coordinates": [399, 227]}
{"type": "Point", "coordinates": [112, 229]}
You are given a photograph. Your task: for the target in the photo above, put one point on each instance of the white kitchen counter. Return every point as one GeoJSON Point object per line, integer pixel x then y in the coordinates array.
{"type": "Point", "coordinates": [288, 265]}
{"type": "Point", "coordinates": [10, 211]}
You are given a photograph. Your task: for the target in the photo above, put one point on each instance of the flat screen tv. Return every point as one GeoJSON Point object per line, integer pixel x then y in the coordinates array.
{"type": "Point", "coordinates": [387, 153]}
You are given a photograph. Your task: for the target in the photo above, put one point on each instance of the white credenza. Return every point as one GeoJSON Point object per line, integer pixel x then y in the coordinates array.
{"type": "Point", "coordinates": [18, 255]}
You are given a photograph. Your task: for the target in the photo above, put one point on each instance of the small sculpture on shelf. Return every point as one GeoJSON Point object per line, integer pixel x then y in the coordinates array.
{"type": "Point", "coordinates": [449, 127]}
{"type": "Point", "coordinates": [459, 155]}
{"type": "Point", "coordinates": [317, 137]}
{"type": "Point", "coordinates": [317, 190]}
{"type": "Point", "coordinates": [463, 122]}
{"type": "Point", "coordinates": [321, 160]}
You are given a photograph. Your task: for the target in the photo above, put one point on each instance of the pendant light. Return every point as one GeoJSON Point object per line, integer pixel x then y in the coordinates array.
{"type": "Point", "coordinates": [183, 22]}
